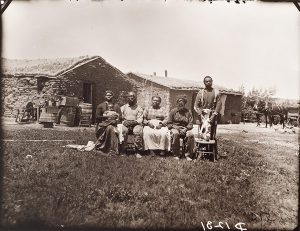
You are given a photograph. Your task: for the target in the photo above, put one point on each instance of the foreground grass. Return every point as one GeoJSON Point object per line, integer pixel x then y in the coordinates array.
{"type": "Point", "coordinates": [59, 186]}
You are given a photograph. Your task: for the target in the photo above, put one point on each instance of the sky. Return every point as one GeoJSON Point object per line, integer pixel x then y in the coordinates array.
{"type": "Point", "coordinates": [254, 44]}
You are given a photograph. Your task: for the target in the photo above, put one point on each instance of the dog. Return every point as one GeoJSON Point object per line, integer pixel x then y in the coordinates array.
{"type": "Point", "coordinates": [205, 129]}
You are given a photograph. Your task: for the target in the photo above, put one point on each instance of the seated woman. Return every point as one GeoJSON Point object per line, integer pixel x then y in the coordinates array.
{"type": "Point", "coordinates": [107, 116]}
{"type": "Point", "coordinates": [180, 122]}
{"type": "Point", "coordinates": [155, 133]}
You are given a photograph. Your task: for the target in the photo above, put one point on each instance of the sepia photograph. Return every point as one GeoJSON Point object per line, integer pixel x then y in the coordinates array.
{"type": "Point", "coordinates": [150, 114]}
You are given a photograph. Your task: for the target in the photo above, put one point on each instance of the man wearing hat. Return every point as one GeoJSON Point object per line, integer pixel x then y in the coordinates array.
{"type": "Point", "coordinates": [180, 122]}
{"type": "Point", "coordinates": [106, 132]}
{"type": "Point", "coordinates": [208, 98]}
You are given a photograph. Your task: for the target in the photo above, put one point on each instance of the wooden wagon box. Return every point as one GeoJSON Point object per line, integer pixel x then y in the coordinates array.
{"type": "Point", "coordinates": [69, 101]}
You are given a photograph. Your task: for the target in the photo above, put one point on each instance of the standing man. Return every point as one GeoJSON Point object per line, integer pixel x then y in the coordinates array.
{"type": "Point", "coordinates": [180, 122]}
{"type": "Point", "coordinates": [208, 98]}
{"type": "Point", "coordinates": [106, 132]}
{"type": "Point", "coordinates": [132, 115]}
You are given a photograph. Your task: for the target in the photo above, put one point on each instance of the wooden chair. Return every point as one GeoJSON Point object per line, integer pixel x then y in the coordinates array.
{"type": "Point", "coordinates": [129, 146]}
{"type": "Point", "coordinates": [207, 148]}
{"type": "Point", "coordinates": [85, 120]}
{"type": "Point", "coordinates": [182, 146]}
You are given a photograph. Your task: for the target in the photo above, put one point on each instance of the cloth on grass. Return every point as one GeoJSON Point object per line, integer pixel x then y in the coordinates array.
{"type": "Point", "coordinates": [89, 147]}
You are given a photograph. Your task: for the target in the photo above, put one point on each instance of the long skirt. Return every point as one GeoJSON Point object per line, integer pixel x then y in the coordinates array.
{"type": "Point", "coordinates": [156, 139]}
{"type": "Point", "coordinates": [107, 139]}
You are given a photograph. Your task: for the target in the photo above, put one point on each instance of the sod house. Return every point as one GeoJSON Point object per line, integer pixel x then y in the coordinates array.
{"type": "Point", "coordinates": [38, 80]}
{"type": "Point", "coordinates": [169, 88]}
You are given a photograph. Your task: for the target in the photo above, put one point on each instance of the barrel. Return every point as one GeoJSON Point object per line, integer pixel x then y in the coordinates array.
{"type": "Point", "coordinates": [86, 108]}
{"type": "Point", "coordinates": [46, 117]}
{"type": "Point", "coordinates": [68, 116]}
{"type": "Point", "coordinates": [85, 112]}
{"type": "Point", "coordinates": [69, 101]}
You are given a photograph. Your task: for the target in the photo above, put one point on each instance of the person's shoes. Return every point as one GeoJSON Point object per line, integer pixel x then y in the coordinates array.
{"type": "Point", "coordinates": [176, 158]}
{"type": "Point", "coordinates": [162, 153]}
{"type": "Point", "coordinates": [112, 152]}
{"type": "Point", "coordinates": [151, 153]}
{"type": "Point", "coordinates": [223, 155]}
{"type": "Point", "coordinates": [189, 159]}
{"type": "Point", "coordinates": [138, 155]}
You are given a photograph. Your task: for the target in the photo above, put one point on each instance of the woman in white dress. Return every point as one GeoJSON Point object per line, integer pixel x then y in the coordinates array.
{"type": "Point", "coordinates": [156, 135]}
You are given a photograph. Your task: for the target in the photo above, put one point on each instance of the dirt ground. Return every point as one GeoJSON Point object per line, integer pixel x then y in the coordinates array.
{"type": "Point", "coordinates": [276, 154]}
{"type": "Point", "coordinates": [279, 152]}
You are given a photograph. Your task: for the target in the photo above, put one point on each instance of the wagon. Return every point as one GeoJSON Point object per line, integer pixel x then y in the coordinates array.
{"type": "Point", "coordinates": [293, 116]}
{"type": "Point", "coordinates": [48, 116]}
{"type": "Point", "coordinates": [293, 119]}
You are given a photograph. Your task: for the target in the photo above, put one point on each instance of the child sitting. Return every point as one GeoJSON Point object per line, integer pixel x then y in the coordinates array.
{"type": "Point", "coordinates": [110, 114]}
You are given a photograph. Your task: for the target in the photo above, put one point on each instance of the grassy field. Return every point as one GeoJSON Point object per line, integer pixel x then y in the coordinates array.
{"type": "Point", "coordinates": [256, 184]}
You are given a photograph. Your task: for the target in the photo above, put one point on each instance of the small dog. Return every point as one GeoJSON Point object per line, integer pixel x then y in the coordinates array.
{"type": "Point", "coordinates": [205, 129]}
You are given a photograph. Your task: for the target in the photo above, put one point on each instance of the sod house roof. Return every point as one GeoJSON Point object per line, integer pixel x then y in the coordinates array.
{"type": "Point", "coordinates": [178, 84]}
{"type": "Point", "coordinates": [43, 67]}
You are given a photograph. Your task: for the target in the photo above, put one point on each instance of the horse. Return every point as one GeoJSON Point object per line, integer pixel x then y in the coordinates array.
{"type": "Point", "coordinates": [269, 110]}
{"type": "Point", "coordinates": [279, 110]}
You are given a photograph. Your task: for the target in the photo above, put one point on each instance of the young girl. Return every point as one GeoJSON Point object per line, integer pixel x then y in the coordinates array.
{"type": "Point", "coordinates": [110, 114]}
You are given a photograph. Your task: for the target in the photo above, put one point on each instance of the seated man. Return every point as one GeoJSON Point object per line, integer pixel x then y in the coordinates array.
{"type": "Point", "coordinates": [180, 122]}
{"type": "Point", "coordinates": [132, 116]}
{"type": "Point", "coordinates": [155, 133]}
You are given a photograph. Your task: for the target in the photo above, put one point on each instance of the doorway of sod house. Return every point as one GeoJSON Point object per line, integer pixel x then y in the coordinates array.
{"type": "Point", "coordinates": [87, 93]}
